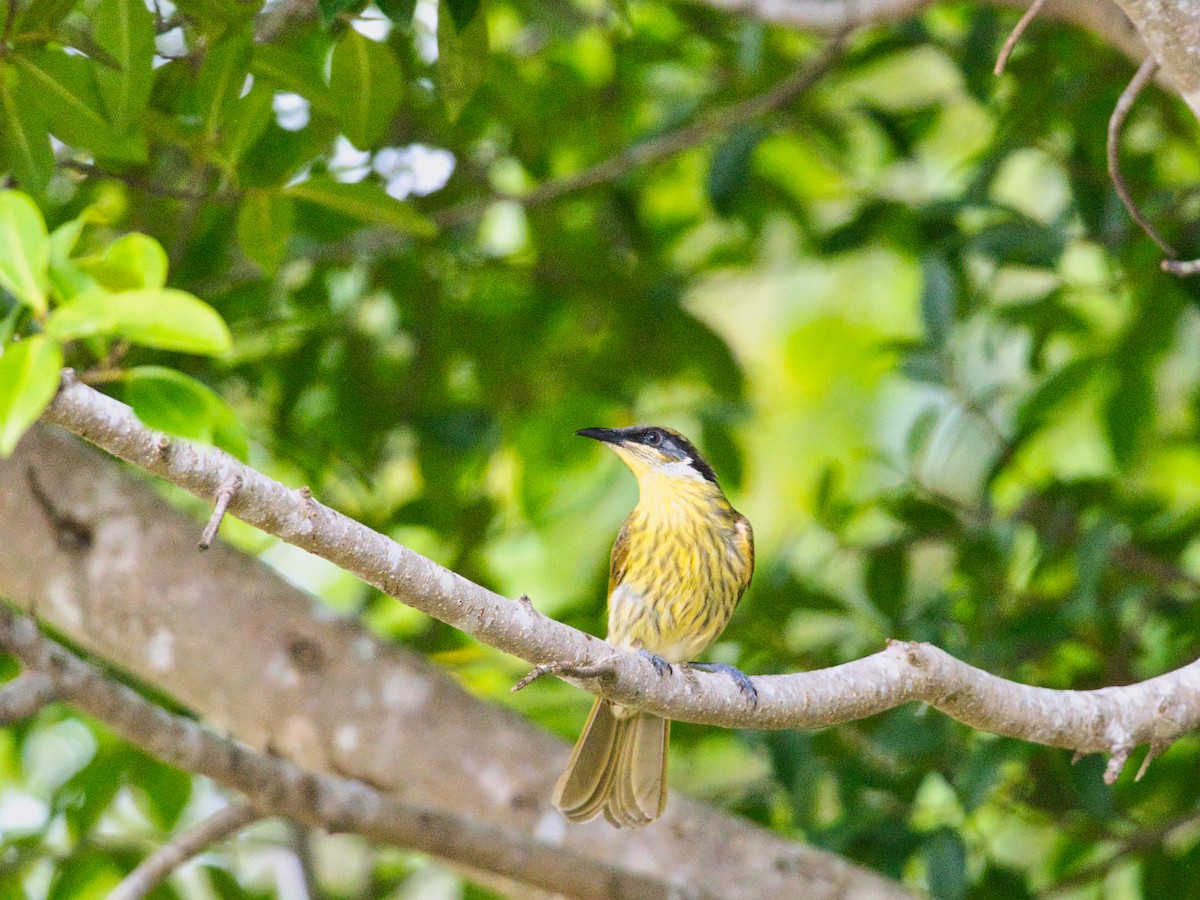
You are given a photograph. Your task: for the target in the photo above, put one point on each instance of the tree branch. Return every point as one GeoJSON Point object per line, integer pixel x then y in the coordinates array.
{"type": "Point", "coordinates": [25, 695]}
{"type": "Point", "coordinates": [719, 122]}
{"type": "Point", "coordinates": [158, 866]}
{"type": "Point", "coordinates": [1101, 17]}
{"type": "Point", "coordinates": [1113, 720]}
{"type": "Point", "coordinates": [276, 786]}
{"type": "Point", "coordinates": [334, 697]}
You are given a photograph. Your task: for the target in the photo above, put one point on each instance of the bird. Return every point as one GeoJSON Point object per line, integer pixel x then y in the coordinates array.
{"type": "Point", "coordinates": [680, 565]}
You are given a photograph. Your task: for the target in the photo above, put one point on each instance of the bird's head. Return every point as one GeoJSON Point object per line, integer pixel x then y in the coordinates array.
{"type": "Point", "coordinates": [651, 450]}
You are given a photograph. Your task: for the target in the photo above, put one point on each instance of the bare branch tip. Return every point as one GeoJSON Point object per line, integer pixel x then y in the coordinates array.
{"type": "Point", "coordinates": [1116, 764]}
{"type": "Point", "coordinates": [1015, 36]}
{"type": "Point", "coordinates": [534, 674]}
{"type": "Point", "coordinates": [1078, 757]}
{"type": "Point", "coordinates": [67, 377]}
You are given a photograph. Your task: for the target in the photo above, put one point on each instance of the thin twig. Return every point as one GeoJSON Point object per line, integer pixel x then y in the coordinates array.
{"type": "Point", "coordinates": [1018, 30]}
{"type": "Point", "coordinates": [1181, 266]}
{"type": "Point", "coordinates": [156, 867]}
{"type": "Point", "coordinates": [719, 122]}
{"type": "Point", "coordinates": [225, 493]}
{"type": "Point", "coordinates": [1116, 123]}
{"type": "Point", "coordinates": [135, 180]}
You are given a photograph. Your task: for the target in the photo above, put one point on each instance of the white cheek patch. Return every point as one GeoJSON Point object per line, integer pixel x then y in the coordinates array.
{"type": "Point", "coordinates": [681, 469]}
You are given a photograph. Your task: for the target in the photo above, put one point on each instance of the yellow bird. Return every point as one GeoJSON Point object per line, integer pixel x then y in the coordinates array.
{"type": "Point", "coordinates": [680, 564]}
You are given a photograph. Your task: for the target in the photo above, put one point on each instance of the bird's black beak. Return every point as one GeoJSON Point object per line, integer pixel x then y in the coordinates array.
{"type": "Point", "coordinates": [607, 435]}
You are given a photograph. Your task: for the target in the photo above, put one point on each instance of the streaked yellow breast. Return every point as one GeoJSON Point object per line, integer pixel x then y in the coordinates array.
{"type": "Point", "coordinates": [687, 559]}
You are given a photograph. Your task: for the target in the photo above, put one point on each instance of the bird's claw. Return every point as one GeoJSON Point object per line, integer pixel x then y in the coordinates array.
{"type": "Point", "coordinates": [661, 666]}
{"type": "Point", "coordinates": [740, 678]}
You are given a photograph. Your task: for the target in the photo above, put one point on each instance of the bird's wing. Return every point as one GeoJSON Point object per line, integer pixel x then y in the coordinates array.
{"type": "Point", "coordinates": [620, 558]}
{"type": "Point", "coordinates": [745, 535]}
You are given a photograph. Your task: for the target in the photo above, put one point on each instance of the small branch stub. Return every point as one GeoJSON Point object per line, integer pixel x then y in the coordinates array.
{"type": "Point", "coordinates": [597, 670]}
{"type": "Point", "coordinates": [225, 493]}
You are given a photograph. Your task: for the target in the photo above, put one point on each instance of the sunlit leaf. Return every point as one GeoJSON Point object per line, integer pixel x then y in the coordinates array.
{"type": "Point", "coordinates": [24, 250]}
{"type": "Point", "coordinates": [29, 376]}
{"type": "Point", "coordinates": [163, 317]}
{"type": "Point", "coordinates": [132, 261]}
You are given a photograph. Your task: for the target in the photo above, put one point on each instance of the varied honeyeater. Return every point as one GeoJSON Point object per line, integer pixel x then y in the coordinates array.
{"type": "Point", "coordinates": [680, 565]}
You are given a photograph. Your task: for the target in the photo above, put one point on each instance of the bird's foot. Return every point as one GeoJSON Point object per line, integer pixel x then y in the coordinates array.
{"type": "Point", "coordinates": [661, 666]}
{"type": "Point", "coordinates": [740, 678]}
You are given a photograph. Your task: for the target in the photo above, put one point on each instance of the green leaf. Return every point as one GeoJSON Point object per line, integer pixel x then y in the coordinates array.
{"type": "Point", "coordinates": [946, 865]}
{"type": "Point", "coordinates": [158, 317]}
{"type": "Point", "coordinates": [462, 59]}
{"type": "Point", "coordinates": [24, 250]}
{"type": "Point", "coordinates": [365, 84]}
{"type": "Point", "coordinates": [41, 16]}
{"type": "Point", "coordinates": [130, 262]}
{"type": "Point", "coordinates": [247, 121]}
{"type": "Point", "coordinates": [1128, 410]}
{"type": "Point", "coordinates": [125, 28]}
{"type": "Point", "coordinates": [290, 70]}
{"type": "Point", "coordinates": [886, 579]}
{"type": "Point", "coordinates": [730, 170]}
{"type": "Point", "coordinates": [331, 9]}
{"type": "Point", "coordinates": [938, 303]}
{"type": "Point", "coordinates": [365, 202]}
{"type": "Point", "coordinates": [171, 401]}
{"type": "Point", "coordinates": [1060, 387]}
{"type": "Point", "coordinates": [29, 376]}
{"type": "Point", "coordinates": [64, 87]}
{"type": "Point", "coordinates": [66, 277]}
{"type": "Point", "coordinates": [264, 226]}
{"type": "Point", "coordinates": [463, 11]}
{"type": "Point", "coordinates": [399, 11]}
{"type": "Point", "coordinates": [219, 82]}
{"type": "Point", "coordinates": [25, 135]}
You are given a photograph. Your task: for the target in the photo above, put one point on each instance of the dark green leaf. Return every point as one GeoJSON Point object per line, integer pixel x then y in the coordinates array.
{"type": "Point", "coordinates": [25, 136]}
{"type": "Point", "coordinates": [365, 86]}
{"type": "Point", "coordinates": [946, 865]}
{"type": "Point", "coordinates": [41, 16]}
{"type": "Point", "coordinates": [1127, 411]}
{"type": "Point", "coordinates": [219, 82]}
{"type": "Point", "coordinates": [886, 579]}
{"type": "Point", "coordinates": [462, 59]}
{"type": "Point", "coordinates": [938, 298]}
{"type": "Point", "coordinates": [399, 11]}
{"type": "Point", "coordinates": [730, 170]}
{"type": "Point", "coordinates": [463, 11]}
{"type": "Point", "coordinates": [362, 201]}
{"type": "Point", "coordinates": [264, 226]}
{"type": "Point", "coordinates": [291, 70]}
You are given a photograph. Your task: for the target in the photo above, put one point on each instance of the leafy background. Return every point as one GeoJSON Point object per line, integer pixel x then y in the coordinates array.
{"type": "Point", "coordinates": [904, 314]}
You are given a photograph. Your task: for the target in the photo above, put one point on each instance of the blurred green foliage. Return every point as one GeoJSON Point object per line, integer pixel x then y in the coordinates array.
{"type": "Point", "coordinates": [905, 316]}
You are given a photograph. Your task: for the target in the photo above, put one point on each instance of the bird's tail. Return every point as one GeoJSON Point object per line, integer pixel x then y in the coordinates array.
{"type": "Point", "coordinates": [618, 767]}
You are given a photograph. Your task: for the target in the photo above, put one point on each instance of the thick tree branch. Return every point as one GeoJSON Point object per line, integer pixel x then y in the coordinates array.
{"type": "Point", "coordinates": [276, 786]}
{"type": "Point", "coordinates": [1101, 17]}
{"type": "Point", "coordinates": [333, 697]}
{"type": "Point", "coordinates": [159, 865]}
{"type": "Point", "coordinates": [1113, 720]}
{"type": "Point", "coordinates": [25, 695]}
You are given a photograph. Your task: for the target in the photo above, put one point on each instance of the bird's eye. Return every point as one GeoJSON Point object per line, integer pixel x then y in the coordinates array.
{"type": "Point", "coordinates": [653, 438]}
